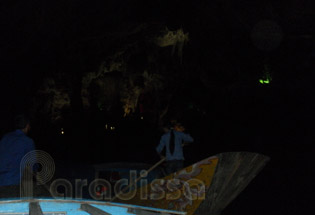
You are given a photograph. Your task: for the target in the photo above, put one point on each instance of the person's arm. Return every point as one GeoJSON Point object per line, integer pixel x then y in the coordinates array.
{"type": "Point", "coordinates": [161, 146]}
{"type": "Point", "coordinates": [187, 138]}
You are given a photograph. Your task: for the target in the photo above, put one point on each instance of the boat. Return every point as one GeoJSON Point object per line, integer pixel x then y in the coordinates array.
{"type": "Point", "coordinates": [75, 207]}
{"type": "Point", "coordinates": [205, 187]}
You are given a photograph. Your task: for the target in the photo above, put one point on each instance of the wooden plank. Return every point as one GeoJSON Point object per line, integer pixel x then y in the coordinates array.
{"type": "Point", "coordinates": [34, 209]}
{"type": "Point", "coordinates": [234, 172]}
{"type": "Point", "coordinates": [93, 210]}
{"type": "Point", "coordinates": [145, 212]}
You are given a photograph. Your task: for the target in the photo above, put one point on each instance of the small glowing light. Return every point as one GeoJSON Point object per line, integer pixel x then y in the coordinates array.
{"type": "Point", "coordinates": [106, 126]}
{"type": "Point", "coordinates": [267, 81]}
{"type": "Point", "coordinates": [112, 128]}
{"type": "Point", "coordinates": [142, 117]}
{"type": "Point", "coordinates": [62, 131]}
{"type": "Point", "coordinates": [266, 78]}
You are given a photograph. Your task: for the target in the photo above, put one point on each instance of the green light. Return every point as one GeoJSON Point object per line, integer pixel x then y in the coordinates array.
{"type": "Point", "coordinates": [267, 81]}
{"type": "Point", "coordinates": [266, 78]}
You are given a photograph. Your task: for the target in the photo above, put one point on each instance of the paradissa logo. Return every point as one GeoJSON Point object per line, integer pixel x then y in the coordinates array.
{"type": "Point", "coordinates": [123, 189]}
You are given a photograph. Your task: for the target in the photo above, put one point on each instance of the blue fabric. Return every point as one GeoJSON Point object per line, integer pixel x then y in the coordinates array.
{"type": "Point", "coordinates": [13, 147]}
{"type": "Point", "coordinates": [180, 137]}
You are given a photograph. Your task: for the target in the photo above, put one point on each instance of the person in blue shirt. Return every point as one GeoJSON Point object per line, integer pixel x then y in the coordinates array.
{"type": "Point", "coordinates": [173, 141]}
{"type": "Point", "coordinates": [13, 147]}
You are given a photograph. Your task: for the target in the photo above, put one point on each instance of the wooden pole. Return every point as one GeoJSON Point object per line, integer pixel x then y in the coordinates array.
{"type": "Point", "coordinates": [149, 170]}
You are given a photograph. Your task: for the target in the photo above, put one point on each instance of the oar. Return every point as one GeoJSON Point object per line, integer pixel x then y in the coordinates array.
{"type": "Point", "coordinates": [149, 170]}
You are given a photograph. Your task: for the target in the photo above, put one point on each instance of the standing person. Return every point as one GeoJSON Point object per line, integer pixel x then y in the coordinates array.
{"type": "Point", "coordinates": [173, 141]}
{"type": "Point", "coordinates": [13, 147]}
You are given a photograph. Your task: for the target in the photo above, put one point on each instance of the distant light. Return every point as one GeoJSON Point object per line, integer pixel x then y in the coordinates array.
{"type": "Point", "coordinates": [267, 81]}
{"type": "Point", "coordinates": [112, 128]}
{"type": "Point", "coordinates": [62, 131]}
{"type": "Point", "coordinates": [266, 78]}
{"type": "Point", "coordinates": [106, 127]}
{"type": "Point", "coordinates": [142, 117]}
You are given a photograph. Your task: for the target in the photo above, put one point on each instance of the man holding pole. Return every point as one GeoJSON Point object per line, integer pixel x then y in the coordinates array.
{"type": "Point", "coordinates": [173, 142]}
